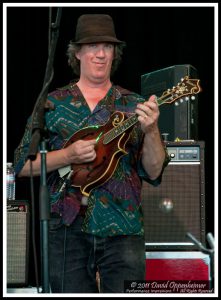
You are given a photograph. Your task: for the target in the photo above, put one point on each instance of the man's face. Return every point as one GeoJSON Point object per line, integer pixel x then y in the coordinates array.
{"type": "Point", "coordinates": [96, 61]}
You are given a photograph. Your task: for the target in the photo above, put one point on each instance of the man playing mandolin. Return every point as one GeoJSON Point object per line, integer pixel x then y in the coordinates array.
{"type": "Point", "coordinates": [103, 141]}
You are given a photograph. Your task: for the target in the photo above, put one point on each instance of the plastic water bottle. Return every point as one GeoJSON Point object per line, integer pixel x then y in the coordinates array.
{"type": "Point", "coordinates": [10, 182]}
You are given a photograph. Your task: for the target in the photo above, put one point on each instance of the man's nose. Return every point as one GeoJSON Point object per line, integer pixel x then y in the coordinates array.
{"type": "Point", "coordinates": [100, 51]}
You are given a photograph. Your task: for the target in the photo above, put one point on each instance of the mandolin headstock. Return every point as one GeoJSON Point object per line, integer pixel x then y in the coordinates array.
{"type": "Point", "coordinates": [185, 90]}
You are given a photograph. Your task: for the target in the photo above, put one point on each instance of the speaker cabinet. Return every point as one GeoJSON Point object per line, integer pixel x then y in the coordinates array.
{"type": "Point", "coordinates": [178, 121]}
{"type": "Point", "coordinates": [177, 206]}
{"type": "Point", "coordinates": [17, 242]}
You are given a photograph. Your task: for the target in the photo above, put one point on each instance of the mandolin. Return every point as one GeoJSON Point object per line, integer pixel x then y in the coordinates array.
{"type": "Point", "coordinates": [112, 138]}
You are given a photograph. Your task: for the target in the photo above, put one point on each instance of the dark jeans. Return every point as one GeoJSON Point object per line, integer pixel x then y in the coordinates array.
{"type": "Point", "coordinates": [75, 257]}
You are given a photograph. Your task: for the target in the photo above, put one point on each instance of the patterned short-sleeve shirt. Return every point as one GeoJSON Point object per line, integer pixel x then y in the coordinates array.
{"type": "Point", "coordinates": [114, 207]}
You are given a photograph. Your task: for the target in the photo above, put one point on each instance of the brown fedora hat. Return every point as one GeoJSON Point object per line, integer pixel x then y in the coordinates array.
{"type": "Point", "coordinates": [95, 28]}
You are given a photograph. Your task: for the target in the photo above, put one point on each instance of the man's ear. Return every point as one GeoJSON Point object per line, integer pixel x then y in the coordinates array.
{"type": "Point", "coordinates": [77, 54]}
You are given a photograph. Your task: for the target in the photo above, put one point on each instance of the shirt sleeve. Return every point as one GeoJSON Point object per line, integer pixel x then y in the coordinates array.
{"type": "Point", "coordinates": [21, 152]}
{"type": "Point", "coordinates": [143, 174]}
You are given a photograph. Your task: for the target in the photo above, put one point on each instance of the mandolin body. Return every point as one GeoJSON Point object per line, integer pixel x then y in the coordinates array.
{"type": "Point", "coordinates": [87, 176]}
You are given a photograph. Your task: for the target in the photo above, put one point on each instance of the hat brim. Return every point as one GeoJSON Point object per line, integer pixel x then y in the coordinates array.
{"type": "Point", "coordinates": [98, 39]}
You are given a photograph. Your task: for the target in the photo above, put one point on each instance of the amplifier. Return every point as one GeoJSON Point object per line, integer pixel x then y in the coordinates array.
{"type": "Point", "coordinates": [177, 206]}
{"type": "Point", "coordinates": [18, 217]}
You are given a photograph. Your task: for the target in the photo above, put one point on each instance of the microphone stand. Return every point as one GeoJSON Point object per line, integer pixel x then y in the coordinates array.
{"type": "Point", "coordinates": [38, 135]}
{"type": "Point", "coordinates": [205, 250]}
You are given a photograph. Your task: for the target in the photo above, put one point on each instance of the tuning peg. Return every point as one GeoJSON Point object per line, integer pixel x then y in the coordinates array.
{"type": "Point", "coordinates": [181, 100]}
{"type": "Point", "coordinates": [187, 98]}
{"type": "Point", "coordinates": [176, 103]}
{"type": "Point", "coordinates": [193, 97]}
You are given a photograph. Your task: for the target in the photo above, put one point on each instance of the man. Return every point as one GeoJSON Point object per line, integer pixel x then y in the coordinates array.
{"type": "Point", "coordinates": [95, 186]}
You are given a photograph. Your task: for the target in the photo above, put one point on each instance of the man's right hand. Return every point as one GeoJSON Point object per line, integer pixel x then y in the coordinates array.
{"type": "Point", "coordinates": [81, 151]}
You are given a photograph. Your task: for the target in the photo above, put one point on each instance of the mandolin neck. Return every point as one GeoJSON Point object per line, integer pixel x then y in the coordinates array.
{"type": "Point", "coordinates": [121, 128]}
{"type": "Point", "coordinates": [125, 125]}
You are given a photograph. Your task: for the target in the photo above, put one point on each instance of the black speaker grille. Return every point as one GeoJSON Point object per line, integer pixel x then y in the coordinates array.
{"type": "Point", "coordinates": [174, 208]}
